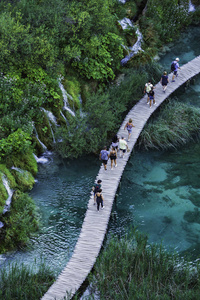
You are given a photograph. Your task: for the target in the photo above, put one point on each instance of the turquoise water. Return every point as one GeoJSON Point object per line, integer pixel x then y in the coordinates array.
{"type": "Point", "coordinates": [159, 192]}
{"type": "Point", "coordinates": [61, 194]}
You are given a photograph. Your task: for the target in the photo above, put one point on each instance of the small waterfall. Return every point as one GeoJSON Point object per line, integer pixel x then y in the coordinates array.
{"type": "Point", "coordinates": [122, 1]}
{"type": "Point", "coordinates": [135, 48]}
{"type": "Point", "coordinates": [64, 117]}
{"type": "Point", "coordinates": [10, 193]}
{"type": "Point", "coordinates": [81, 112]}
{"type": "Point", "coordinates": [1, 224]}
{"type": "Point", "coordinates": [191, 7]}
{"type": "Point", "coordinates": [65, 99]}
{"type": "Point", "coordinates": [51, 118]}
{"type": "Point", "coordinates": [17, 169]}
{"type": "Point", "coordinates": [125, 23]}
{"type": "Point", "coordinates": [36, 134]}
{"type": "Point", "coordinates": [41, 160]}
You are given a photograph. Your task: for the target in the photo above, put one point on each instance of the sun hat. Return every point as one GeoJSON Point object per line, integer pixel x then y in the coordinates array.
{"type": "Point", "coordinates": [177, 59]}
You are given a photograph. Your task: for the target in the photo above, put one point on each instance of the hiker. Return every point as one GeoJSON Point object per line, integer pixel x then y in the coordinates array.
{"type": "Point", "coordinates": [122, 146]}
{"type": "Point", "coordinates": [174, 68]}
{"type": "Point", "coordinates": [129, 126]}
{"type": "Point", "coordinates": [104, 155]}
{"type": "Point", "coordinates": [152, 97]}
{"type": "Point", "coordinates": [113, 157]}
{"type": "Point", "coordinates": [147, 89]}
{"type": "Point", "coordinates": [115, 142]}
{"type": "Point", "coordinates": [164, 81]}
{"type": "Point", "coordinates": [99, 199]}
{"type": "Point", "coordinates": [96, 187]}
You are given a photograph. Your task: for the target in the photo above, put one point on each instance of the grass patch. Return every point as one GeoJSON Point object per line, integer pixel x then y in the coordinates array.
{"type": "Point", "coordinates": [176, 125]}
{"type": "Point", "coordinates": [23, 282]}
{"type": "Point", "coordinates": [129, 268]}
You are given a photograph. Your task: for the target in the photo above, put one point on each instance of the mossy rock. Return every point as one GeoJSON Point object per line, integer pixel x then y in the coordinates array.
{"type": "Point", "coordinates": [3, 192]}
{"type": "Point", "coordinates": [25, 161]}
{"type": "Point", "coordinates": [73, 89]}
{"type": "Point", "coordinates": [24, 179]}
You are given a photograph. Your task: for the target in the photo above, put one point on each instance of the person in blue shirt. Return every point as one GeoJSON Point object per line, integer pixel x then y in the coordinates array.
{"type": "Point", "coordinates": [104, 155]}
{"type": "Point", "coordinates": [176, 67]}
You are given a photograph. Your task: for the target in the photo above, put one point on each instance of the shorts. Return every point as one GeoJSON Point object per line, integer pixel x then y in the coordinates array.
{"type": "Point", "coordinates": [112, 157]}
{"type": "Point", "coordinates": [164, 83]}
{"type": "Point", "coordinates": [175, 72]}
{"type": "Point", "coordinates": [104, 161]}
{"type": "Point", "coordinates": [129, 130]}
{"type": "Point", "coordinates": [123, 150]}
{"type": "Point", "coordinates": [115, 145]}
{"type": "Point", "coordinates": [148, 93]}
{"type": "Point", "coordinates": [151, 97]}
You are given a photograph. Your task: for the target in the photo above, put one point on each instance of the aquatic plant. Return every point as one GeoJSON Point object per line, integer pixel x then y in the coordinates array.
{"type": "Point", "coordinates": [21, 282]}
{"type": "Point", "coordinates": [130, 268]}
{"type": "Point", "coordinates": [176, 124]}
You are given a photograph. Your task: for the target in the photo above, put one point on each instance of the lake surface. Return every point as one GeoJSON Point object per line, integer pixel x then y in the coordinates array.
{"type": "Point", "coordinates": [159, 192]}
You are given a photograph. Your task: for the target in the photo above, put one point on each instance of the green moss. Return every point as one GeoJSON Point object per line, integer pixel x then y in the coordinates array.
{"type": "Point", "coordinates": [72, 86]}
{"type": "Point", "coordinates": [20, 223]}
{"type": "Point", "coordinates": [24, 179]}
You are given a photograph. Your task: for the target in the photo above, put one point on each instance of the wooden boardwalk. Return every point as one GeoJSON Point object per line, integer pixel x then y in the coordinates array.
{"type": "Point", "coordinates": [95, 224]}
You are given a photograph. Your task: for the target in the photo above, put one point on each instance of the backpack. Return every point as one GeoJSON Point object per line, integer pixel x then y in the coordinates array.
{"type": "Point", "coordinates": [173, 66]}
{"type": "Point", "coordinates": [104, 154]}
{"type": "Point", "coordinates": [97, 187]}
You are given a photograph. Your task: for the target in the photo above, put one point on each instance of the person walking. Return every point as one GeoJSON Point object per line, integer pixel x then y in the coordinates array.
{"type": "Point", "coordinates": [99, 199]}
{"type": "Point", "coordinates": [174, 68]}
{"type": "Point", "coordinates": [113, 157]}
{"type": "Point", "coordinates": [122, 146]}
{"type": "Point", "coordinates": [129, 126]}
{"type": "Point", "coordinates": [152, 97]}
{"type": "Point", "coordinates": [96, 187]}
{"type": "Point", "coordinates": [147, 89]}
{"type": "Point", "coordinates": [115, 142]}
{"type": "Point", "coordinates": [164, 81]}
{"type": "Point", "coordinates": [104, 155]}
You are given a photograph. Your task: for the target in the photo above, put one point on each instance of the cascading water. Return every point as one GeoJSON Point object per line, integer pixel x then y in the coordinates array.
{"type": "Point", "coordinates": [36, 134]}
{"type": "Point", "coordinates": [10, 193]}
{"type": "Point", "coordinates": [135, 48]}
{"type": "Point", "coordinates": [40, 160]}
{"type": "Point", "coordinates": [17, 169]}
{"type": "Point", "coordinates": [65, 99]}
{"type": "Point", "coordinates": [64, 117]}
{"type": "Point", "coordinates": [51, 119]}
{"type": "Point", "coordinates": [191, 7]}
{"type": "Point", "coordinates": [126, 23]}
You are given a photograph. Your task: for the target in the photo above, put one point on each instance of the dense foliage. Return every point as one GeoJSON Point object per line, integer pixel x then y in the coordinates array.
{"type": "Point", "coordinates": [129, 268]}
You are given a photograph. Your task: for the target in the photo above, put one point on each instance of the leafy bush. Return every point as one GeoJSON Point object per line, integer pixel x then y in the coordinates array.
{"type": "Point", "coordinates": [19, 223]}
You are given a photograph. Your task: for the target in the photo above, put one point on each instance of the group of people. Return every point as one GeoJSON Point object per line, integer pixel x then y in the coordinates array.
{"type": "Point", "coordinates": [120, 144]}
{"type": "Point", "coordinates": [149, 88]}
